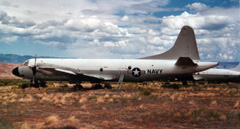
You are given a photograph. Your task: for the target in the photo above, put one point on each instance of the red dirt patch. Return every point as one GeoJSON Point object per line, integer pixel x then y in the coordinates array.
{"type": "Point", "coordinates": [6, 71]}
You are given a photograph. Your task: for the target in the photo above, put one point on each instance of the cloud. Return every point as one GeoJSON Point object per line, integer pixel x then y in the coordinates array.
{"type": "Point", "coordinates": [116, 29]}
{"type": "Point", "coordinates": [84, 24]}
{"type": "Point", "coordinates": [216, 32]}
{"type": "Point", "coordinates": [210, 21]}
{"type": "Point", "coordinates": [125, 18]}
{"type": "Point", "coordinates": [197, 7]}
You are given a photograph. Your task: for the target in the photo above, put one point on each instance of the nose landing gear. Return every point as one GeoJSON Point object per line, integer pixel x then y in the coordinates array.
{"type": "Point", "coordinates": [38, 84]}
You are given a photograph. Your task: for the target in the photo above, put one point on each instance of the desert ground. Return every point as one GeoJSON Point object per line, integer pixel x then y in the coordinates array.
{"type": "Point", "coordinates": [153, 105]}
{"type": "Point", "coordinates": [6, 71]}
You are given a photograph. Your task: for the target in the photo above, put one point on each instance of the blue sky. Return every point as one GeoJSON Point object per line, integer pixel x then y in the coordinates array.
{"type": "Point", "coordinates": [118, 29]}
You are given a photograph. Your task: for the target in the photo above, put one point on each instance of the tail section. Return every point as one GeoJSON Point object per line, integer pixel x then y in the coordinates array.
{"type": "Point", "coordinates": [237, 68]}
{"type": "Point", "coordinates": [185, 46]}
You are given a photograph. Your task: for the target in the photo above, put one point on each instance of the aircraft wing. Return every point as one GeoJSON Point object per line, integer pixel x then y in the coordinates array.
{"type": "Point", "coordinates": [57, 70]}
{"type": "Point", "coordinates": [101, 76]}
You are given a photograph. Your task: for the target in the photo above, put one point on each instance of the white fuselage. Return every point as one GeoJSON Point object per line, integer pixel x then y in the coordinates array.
{"type": "Point", "coordinates": [109, 69]}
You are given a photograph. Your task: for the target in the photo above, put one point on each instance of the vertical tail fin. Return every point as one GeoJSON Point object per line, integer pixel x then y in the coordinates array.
{"type": "Point", "coordinates": [237, 68]}
{"type": "Point", "coordinates": [185, 46]}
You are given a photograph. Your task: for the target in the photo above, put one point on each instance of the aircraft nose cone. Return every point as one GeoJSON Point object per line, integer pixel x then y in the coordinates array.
{"type": "Point", "coordinates": [15, 72]}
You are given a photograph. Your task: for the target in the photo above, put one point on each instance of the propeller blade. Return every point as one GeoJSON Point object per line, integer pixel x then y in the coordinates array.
{"type": "Point", "coordinates": [33, 81]}
{"type": "Point", "coordinates": [35, 59]}
{"type": "Point", "coordinates": [34, 69]}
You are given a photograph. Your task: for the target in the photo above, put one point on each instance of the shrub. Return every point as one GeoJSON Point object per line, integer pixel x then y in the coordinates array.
{"type": "Point", "coordinates": [165, 85]}
{"type": "Point", "coordinates": [238, 116]}
{"type": "Point", "coordinates": [5, 126]}
{"type": "Point", "coordinates": [7, 82]}
{"type": "Point", "coordinates": [174, 86]}
{"type": "Point", "coordinates": [24, 85]}
{"type": "Point", "coordinates": [52, 120]}
{"type": "Point", "coordinates": [197, 88]}
{"type": "Point", "coordinates": [213, 114]}
{"type": "Point", "coordinates": [146, 92]}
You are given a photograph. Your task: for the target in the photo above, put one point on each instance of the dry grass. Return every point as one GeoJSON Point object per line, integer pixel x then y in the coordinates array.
{"type": "Point", "coordinates": [214, 103]}
{"type": "Point", "coordinates": [82, 100]}
{"type": "Point", "coordinates": [202, 94]}
{"type": "Point", "coordinates": [52, 120]}
{"type": "Point", "coordinates": [177, 96]}
{"type": "Point", "coordinates": [100, 99]}
{"type": "Point", "coordinates": [26, 125]}
{"type": "Point", "coordinates": [72, 121]}
{"type": "Point", "coordinates": [187, 107]}
{"type": "Point", "coordinates": [236, 106]}
{"type": "Point", "coordinates": [28, 98]}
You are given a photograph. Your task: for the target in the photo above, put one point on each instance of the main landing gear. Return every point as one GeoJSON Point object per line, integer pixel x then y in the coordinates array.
{"type": "Point", "coordinates": [184, 82]}
{"type": "Point", "coordinates": [97, 86]}
{"type": "Point", "coordinates": [78, 87]}
{"type": "Point", "coordinates": [94, 86]}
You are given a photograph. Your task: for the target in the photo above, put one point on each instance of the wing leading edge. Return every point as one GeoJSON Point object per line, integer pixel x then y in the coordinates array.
{"type": "Point", "coordinates": [51, 69]}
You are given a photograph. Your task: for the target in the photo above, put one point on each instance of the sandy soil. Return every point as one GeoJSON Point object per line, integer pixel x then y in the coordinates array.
{"type": "Point", "coordinates": [6, 71]}
{"type": "Point", "coordinates": [58, 106]}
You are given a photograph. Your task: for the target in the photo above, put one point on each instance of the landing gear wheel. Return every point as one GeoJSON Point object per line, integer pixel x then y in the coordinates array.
{"type": "Point", "coordinates": [35, 84]}
{"type": "Point", "coordinates": [97, 86]}
{"type": "Point", "coordinates": [184, 83]}
{"type": "Point", "coordinates": [43, 84]}
{"type": "Point", "coordinates": [77, 87]}
{"type": "Point", "coordinates": [107, 85]}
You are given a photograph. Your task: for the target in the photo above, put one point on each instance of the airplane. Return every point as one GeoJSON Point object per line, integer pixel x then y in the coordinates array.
{"type": "Point", "coordinates": [219, 75]}
{"type": "Point", "coordinates": [180, 60]}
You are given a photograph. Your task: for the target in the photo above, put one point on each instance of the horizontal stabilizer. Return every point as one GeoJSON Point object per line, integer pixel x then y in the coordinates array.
{"type": "Point", "coordinates": [197, 77]}
{"type": "Point", "coordinates": [185, 61]}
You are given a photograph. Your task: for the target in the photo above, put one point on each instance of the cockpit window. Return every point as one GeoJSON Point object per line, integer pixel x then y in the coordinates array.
{"type": "Point", "coordinates": [25, 63]}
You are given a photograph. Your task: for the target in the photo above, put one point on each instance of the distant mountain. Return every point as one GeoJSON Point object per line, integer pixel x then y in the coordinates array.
{"type": "Point", "coordinates": [12, 58]}
{"type": "Point", "coordinates": [16, 59]}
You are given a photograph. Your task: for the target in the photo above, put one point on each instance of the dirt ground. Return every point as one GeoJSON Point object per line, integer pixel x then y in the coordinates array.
{"type": "Point", "coordinates": [154, 105]}
{"type": "Point", "coordinates": [6, 71]}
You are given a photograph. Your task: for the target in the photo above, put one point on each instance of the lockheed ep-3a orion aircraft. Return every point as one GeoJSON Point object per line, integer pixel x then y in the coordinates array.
{"type": "Point", "coordinates": [182, 59]}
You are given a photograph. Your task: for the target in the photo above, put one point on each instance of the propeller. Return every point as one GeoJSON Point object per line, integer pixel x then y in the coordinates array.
{"type": "Point", "coordinates": [34, 69]}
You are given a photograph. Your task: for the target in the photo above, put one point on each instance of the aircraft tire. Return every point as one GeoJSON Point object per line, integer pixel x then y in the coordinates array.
{"type": "Point", "coordinates": [77, 87]}
{"type": "Point", "coordinates": [98, 86]}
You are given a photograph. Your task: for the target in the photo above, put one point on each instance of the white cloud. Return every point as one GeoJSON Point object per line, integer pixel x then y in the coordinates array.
{"type": "Point", "coordinates": [216, 32]}
{"type": "Point", "coordinates": [198, 20]}
{"type": "Point", "coordinates": [7, 39]}
{"type": "Point", "coordinates": [119, 28]}
{"type": "Point", "coordinates": [84, 24]}
{"type": "Point", "coordinates": [197, 7]}
{"type": "Point", "coordinates": [125, 18]}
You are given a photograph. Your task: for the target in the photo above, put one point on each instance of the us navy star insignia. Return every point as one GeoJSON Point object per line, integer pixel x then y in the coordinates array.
{"type": "Point", "coordinates": [136, 72]}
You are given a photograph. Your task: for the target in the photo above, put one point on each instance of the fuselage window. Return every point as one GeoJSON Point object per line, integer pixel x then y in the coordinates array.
{"type": "Point", "coordinates": [25, 63]}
